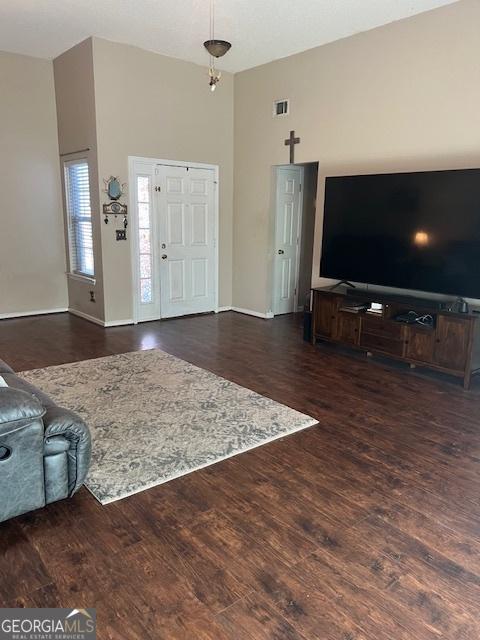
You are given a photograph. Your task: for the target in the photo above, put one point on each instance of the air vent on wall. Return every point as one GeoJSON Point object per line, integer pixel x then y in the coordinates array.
{"type": "Point", "coordinates": [281, 108]}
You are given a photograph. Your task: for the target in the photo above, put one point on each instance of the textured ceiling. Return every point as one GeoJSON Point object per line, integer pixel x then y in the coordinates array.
{"type": "Point", "coordinates": [260, 30]}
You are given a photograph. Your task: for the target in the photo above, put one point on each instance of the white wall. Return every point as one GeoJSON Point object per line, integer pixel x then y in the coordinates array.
{"type": "Point", "coordinates": [405, 96]}
{"type": "Point", "coordinates": [32, 256]}
{"type": "Point", "coordinates": [158, 107]}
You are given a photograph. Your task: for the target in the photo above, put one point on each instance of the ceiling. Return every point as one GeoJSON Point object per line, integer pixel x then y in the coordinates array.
{"type": "Point", "coordinates": [260, 30]}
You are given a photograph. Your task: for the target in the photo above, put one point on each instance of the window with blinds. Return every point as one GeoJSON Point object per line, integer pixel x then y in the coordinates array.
{"type": "Point", "coordinates": [79, 213]}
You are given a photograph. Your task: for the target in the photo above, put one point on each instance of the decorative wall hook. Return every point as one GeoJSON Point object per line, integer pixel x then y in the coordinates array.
{"type": "Point", "coordinates": [114, 209]}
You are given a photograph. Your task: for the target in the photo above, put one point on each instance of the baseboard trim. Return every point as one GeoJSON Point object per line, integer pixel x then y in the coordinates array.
{"type": "Point", "coordinates": [101, 323]}
{"type": "Point", "coordinates": [86, 316]}
{"type": "Point", "coordinates": [117, 323]}
{"type": "Point", "coordinates": [222, 309]}
{"type": "Point", "coordinates": [250, 312]}
{"type": "Point", "coordinates": [38, 312]}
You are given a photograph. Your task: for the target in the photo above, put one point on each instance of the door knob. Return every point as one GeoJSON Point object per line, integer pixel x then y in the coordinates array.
{"type": "Point", "coordinates": [164, 256]}
{"type": "Point", "coordinates": [281, 252]}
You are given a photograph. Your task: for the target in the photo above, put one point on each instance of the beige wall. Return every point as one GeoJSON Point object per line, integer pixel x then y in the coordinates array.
{"type": "Point", "coordinates": [402, 97]}
{"type": "Point", "coordinates": [75, 97]}
{"type": "Point", "coordinates": [32, 257]}
{"type": "Point", "coordinates": [153, 106]}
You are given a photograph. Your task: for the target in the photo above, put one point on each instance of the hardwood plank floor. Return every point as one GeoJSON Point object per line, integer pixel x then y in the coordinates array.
{"type": "Point", "coordinates": [366, 527]}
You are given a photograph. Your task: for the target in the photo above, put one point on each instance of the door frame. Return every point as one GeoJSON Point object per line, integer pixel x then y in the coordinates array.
{"type": "Point", "coordinates": [153, 163]}
{"type": "Point", "coordinates": [301, 170]}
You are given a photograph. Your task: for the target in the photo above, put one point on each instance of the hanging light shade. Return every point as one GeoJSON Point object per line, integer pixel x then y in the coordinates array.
{"type": "Point", "coordinates": [217, 48]}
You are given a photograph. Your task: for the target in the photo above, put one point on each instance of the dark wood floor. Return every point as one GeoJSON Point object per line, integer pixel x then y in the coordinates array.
{"type": "Point", "coordinates": [365, 527]}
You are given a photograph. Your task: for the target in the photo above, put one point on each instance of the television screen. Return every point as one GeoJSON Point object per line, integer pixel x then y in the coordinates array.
{"type": "Point", "coordinates": [407, 230]}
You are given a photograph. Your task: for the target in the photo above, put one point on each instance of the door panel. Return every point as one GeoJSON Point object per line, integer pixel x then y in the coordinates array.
{"type": "Point", "coordinates": [451, 345]}
{"type": "Point", "coordinates": [288, 219]}
{"type": "Point", "coordinates": [326, 316]}
{"type": "Point", "coordinates": [420, 344]}
{"type": "Point", "coordinates": [198, 186]}
{"type": "Point", "coordinates": [176, 223]}
{"type": "Point", "coordinates": [187, 264]}
{"type": "Point", "coordinates": [348, 325]}
{"type": "Point", "coordinates": [175, 185]}
{"type": "Point", "coordinates": [176, 279]}
{"type": "Point", "coordinates": [285, 281]}
{"type": "Point", "coordinates": [287, 229]}
{"type": "Point", "coordinates": [199, 224]}
{"type": "Point", "coordinates": [199, 277]}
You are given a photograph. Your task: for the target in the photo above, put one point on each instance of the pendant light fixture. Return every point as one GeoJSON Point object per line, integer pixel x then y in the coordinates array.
{"type": "Point", "coordinates": [216, 49]}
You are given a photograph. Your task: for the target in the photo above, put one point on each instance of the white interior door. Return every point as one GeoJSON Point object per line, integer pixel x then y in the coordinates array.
{"type": "Point", "coordinates": [287, 238]}
{"type": "Point", "coordinates": [186, 239]}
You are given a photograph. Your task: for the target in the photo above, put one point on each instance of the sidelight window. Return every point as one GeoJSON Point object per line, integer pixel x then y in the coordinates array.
{"type": "Point", "coordinates": [145, 238]}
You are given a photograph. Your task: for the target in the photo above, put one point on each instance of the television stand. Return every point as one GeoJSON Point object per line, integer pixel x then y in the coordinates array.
{"type": "Point", "coordinates": [450, 344]}
{"type": "Point", "coordinates": [340, 283]}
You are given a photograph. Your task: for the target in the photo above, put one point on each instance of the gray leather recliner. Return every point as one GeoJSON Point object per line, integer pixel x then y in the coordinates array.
{"type": "Point", "coordinates": [44, 450]}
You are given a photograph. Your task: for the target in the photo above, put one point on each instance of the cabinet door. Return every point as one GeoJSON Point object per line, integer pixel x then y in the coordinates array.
{"type": "Point", "coordinates": [347, 327]}
{"type": "Point", "coordinates": [420, 344]}
{"type": "Point", "coordinates": [452, 338]}
{"type": "Point", "coordinates": [325, 315]}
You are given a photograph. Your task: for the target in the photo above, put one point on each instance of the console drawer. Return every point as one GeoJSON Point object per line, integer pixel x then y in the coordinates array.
{"type": "Point", "coordinates": [385, 344]}
{"type": "Point", "coordinates": [382, 327]}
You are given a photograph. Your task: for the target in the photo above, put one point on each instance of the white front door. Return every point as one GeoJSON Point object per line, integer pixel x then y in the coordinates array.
{"type": "Point", "coordinates": [287, 238]}
{"type": "Point", "coordinates": [186, 240]}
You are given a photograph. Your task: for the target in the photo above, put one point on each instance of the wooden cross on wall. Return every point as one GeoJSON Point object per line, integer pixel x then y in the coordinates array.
{"type": "Point", "coordinates": [291, 142]}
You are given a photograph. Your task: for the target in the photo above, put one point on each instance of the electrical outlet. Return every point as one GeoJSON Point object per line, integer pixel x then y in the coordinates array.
{"type": "Point", "coordinates": [92, 296]}
{"type": "Point", "coordinates": [121, 234]}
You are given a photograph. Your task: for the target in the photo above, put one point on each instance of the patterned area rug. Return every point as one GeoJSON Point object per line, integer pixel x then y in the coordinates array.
{"type": "Point", "coordinates": [154, 417]}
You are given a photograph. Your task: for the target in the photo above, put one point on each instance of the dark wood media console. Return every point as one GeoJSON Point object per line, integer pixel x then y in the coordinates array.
{"type": "Point", "coordinates": [450, 345]}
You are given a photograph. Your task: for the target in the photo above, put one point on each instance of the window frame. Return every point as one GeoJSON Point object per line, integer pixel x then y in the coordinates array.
{"type": "Point", "coordinates": [71, 220]}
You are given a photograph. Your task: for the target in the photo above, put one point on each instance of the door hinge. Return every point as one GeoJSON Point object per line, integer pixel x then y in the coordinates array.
{"type": "Point", "coordinates": [300, 187]}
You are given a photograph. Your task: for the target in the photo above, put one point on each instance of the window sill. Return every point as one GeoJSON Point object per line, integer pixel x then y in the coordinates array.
{"type": "Point", "coordinates": [79, 278]}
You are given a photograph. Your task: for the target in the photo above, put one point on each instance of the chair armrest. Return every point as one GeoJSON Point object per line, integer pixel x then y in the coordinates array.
{"type": "Point", "coordinates": [61, 422]}
{"type": "Point", "coordinates": [16, 408]}
{"type": "Point", "coordinates": [4, 368]}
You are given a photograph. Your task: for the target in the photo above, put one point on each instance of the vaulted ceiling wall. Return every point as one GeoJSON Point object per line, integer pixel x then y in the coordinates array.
{"type": "Point", "coordinates": [402, 97]}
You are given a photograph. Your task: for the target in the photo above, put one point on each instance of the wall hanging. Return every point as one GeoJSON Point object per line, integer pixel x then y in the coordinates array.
{"type": "Point", "coordinates": [115, 190]}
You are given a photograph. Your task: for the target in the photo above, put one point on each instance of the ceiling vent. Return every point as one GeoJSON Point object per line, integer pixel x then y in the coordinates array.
{"type": "Point", "coordinates": [281, 108]}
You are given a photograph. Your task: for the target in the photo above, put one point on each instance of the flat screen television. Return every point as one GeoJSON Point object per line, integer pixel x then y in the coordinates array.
{"type": "Point", "coordinates": [405, 230]}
